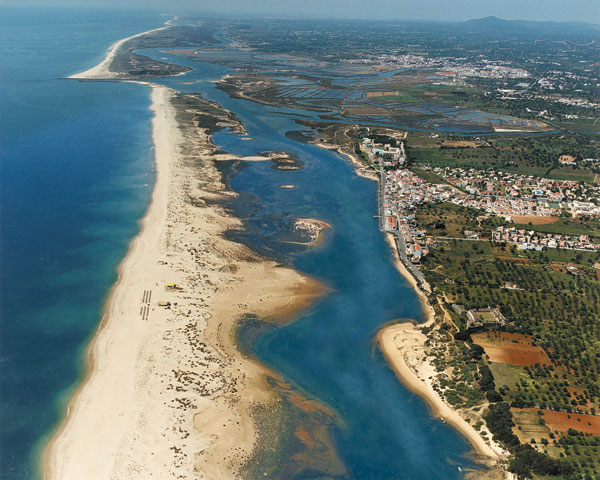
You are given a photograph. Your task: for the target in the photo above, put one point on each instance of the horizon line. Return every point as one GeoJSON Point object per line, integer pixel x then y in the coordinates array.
{"type": "Point", "coordinates": [245, 16]}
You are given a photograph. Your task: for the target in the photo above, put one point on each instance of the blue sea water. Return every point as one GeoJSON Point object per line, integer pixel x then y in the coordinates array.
{"type": "Point", "coordinates": [75, 178]}
{"type": "Point", "coordinates": [76, 172]}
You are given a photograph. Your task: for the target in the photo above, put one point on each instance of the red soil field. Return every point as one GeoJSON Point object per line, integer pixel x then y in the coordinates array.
{"type": "Point", "coordinates": [560, 420]}
{"type": "Point", "coordinates": [534, 219]}
{"type": "Point", "coordinates": [511, 348]}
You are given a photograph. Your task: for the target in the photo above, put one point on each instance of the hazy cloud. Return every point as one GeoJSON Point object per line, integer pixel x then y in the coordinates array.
{"type": "Point", "coordinates": [558, 10]}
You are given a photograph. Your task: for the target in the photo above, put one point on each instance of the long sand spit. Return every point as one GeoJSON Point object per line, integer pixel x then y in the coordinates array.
{"type": "Point", "coordinates": [167, 394]}
{"type": "Point", "coordinates": [102, 70]}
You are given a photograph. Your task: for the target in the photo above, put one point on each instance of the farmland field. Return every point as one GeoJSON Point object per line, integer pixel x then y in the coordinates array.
{"type": "Point", "coordinates": [511, 348]}
{"type": "Point", "coordinates": [562, 421]}
{"type": "Point", "coordinates": [534, 219]}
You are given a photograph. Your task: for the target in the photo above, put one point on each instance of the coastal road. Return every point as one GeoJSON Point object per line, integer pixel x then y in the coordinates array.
{"type": "Point", "coordinates": [381, 199]}
{"type": "Point", "coordinates": [401, 246]}
{"type": "Point", "coordinates": [400, 243]}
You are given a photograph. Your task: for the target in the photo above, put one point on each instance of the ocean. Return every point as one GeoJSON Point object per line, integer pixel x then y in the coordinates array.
{"type": "Point", "coordinates": [76, 173]}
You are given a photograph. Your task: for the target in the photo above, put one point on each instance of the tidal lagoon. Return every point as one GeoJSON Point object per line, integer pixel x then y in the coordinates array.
{"type": "Point", "coordinates": [329, 354]}
{"type": "Point", "coordinates": [77, 175]}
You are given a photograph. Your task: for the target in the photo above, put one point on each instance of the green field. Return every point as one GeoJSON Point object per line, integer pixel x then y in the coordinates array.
{"type": "Point", "coordinates": [530, 155]}
{"type": "Point", "coordinates": [566, 226]}
{"type": "Point", "coordinates": [560, 309]}
{"type": "Point", "coordinates": [428, 176]}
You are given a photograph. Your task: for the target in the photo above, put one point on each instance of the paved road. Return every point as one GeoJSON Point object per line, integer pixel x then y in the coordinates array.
{"type": "Point", "coordinates": [440, 238]}
{"type": "Point", "coordinates": [381, 197]}
{"type": "Point", "coordinates": [407, 263]}
{"type": "Point", "coordinates": [400, 244]}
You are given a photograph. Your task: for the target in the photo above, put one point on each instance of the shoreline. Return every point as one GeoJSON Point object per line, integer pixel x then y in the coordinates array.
{"type": "Point", "coordinates": [399, 343]}
{"type": "Point", "coordinates": [92, 348]}
{"type": "Point", "coordinates": [102, 69]}
{"type": "Point", "coordinates": [361, 169]}
{"type": "Point", "coordinates": [117, 420]}
{"type": "Point", "coordinates": [403, 347]}
{"type": "Point", "coordinates": [412, 281]}
{"type": "Point", "coordinates": [166, 392]}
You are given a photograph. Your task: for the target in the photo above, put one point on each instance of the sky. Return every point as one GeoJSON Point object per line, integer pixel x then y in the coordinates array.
{"type": "Point", "coordinates": [451, 10]}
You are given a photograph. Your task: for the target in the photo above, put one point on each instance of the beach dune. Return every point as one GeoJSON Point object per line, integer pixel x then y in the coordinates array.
{"type": "Point", "coordinates": [102, 70]}
{"type": "Point", "coordinates": [403, 347]}
{"type": "Point", "coordinates": [167, 394]}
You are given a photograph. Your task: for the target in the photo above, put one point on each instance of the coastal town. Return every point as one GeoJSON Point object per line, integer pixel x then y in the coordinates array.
{"type": "Point", "coordinates": [337, 211]}
{"type": "Point", "coordinates": [449, 67]}
{"type": "Point", "coordinates": [486, 246]}
{"type": "Point", "coordinates": [507, 195]}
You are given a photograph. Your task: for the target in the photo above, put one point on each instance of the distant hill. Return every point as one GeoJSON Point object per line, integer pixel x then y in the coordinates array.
{"type": "Point", "coordinates": [499, 25]}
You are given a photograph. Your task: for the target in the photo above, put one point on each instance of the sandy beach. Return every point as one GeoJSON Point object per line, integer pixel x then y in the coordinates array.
{"type": "Point", "coordinates": [167, 394]}
{"type": "Point", "coordinates": [403, 346]}
{"type": "Point", "coordinates": [102, 70]}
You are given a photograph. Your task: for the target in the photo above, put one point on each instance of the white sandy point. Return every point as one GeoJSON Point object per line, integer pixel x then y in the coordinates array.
{"type": "Point", "coordinates": [101, 70]}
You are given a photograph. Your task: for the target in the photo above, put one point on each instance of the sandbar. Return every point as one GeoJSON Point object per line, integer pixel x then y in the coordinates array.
{"type": "Point", "coordinates": [167, 394]}
{"type": "Point", "coordinates": [102, 70]}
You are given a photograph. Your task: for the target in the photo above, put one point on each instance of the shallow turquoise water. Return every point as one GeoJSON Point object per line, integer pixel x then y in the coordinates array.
{"type": "Point", "coordinates": [384, 431]}
{"type": "Point", "coordinates": [76, 174]}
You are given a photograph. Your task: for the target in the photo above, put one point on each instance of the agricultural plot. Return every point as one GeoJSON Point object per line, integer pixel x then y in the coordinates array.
{"type": "Point", "coordinates": [533, 219]}
{"type": "Point", "coordinates": [508, 376]}
{"type": "Point", "coordinates": [511, 348]}
{"type": "Point", "coordinates": [396, 97]}
{"type": "Point", "coordinates": [563, 421]}
{"type": "Point", "coordinates": [528, 425]}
